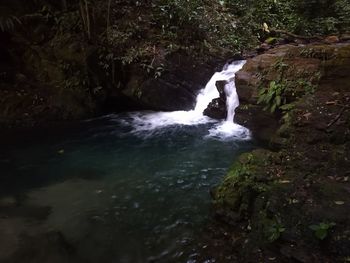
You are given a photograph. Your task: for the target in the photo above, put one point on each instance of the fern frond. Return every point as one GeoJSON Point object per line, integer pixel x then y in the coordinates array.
{"type": "Point", "coordinates": [8, 23]}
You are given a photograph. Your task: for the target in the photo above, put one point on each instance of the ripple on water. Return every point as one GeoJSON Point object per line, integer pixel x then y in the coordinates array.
{"type": "Point", "coordinates": [130, 187]}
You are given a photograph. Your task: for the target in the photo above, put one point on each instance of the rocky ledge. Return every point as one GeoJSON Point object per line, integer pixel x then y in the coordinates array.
{"type": "Point", "coordinates": [289, 202]}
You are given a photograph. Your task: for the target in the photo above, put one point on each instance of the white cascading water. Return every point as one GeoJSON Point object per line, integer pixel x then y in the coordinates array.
{"type": "Point", "coordinates": [210, 91]}
{"type": "Point", "coordinates": [232, 101]}
{"type": "Point", "coordinates": [142, 121]}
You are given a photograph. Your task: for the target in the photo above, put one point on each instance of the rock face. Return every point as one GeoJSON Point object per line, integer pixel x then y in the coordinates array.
{"type": "Point", "coordinates": [278, 201]}
{"type": "Point", "coordinates": [297, 70]}
{"type": "Point", "coordinates": [217, 108]}
{"type": "Point", "coordinates": [177, 86]}
{"type": "Point", "coordinates": [63, 80]}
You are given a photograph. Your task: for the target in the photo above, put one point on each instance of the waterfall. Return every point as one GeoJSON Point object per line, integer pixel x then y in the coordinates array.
{"type": "Point", "coordinates": [210, 91]}
{"type": "Point", "coordinates": [232, 101]}
{"type": "Point", "coordinates": [154, 121]}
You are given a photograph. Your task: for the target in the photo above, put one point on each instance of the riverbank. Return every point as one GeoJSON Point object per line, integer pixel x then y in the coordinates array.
{"type": "Point", "coordinates": [289, 203]}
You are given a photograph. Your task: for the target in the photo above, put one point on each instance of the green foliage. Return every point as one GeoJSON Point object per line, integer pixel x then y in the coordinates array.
{"type": "Point", "coordinates": [243, 182]}
{"type": "Point", "coordinates": [321, 230]}
{"type": "Point", "coordinates": [309, 17]}
{"type": "Point", "coordinates": [308, 87]}
{"type": "Point", "coordinates": [155, 71]}
{"type": "Point", "coordinates": [75, 76]}
{"type": "Point", "coordinates": [274, 230]}
{"type": "Point", "coordinates": [323, 16]}
{"type": "Point", "coordinates": [210, 25]}
{"type": "Point", "coordinates": [280, 92]}
{"type": "Point", "coordinates": [176, 18]}
{"type": "Point", "coordinates": [272, 96]}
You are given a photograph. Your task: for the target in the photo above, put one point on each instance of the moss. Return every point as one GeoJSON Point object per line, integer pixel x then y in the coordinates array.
{"type": "Point", "coordinates": [246, 179]}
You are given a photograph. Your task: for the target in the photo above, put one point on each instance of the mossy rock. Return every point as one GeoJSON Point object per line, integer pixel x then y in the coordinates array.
{"type": "Point", "coordinates": [247, 178]}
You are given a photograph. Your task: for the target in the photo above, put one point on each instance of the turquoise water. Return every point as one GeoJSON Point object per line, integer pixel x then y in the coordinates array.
{"type": "Point", "coordinates": [115, 194]}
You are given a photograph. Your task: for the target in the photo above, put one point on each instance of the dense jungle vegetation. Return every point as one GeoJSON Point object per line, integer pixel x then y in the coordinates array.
{"type": "Point", "coordinates": [207, 25]}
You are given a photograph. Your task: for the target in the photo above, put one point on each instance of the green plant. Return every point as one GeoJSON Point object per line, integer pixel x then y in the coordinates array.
{"type": "Point", "coordinates": [280, 66]}
{"type": "Point", "coordinates": [307, 86]}
{"type": "Point", "coordinates": [274, 230]}
{"type": "Point", "coordinates": [286, 110]}
{"type": "Point", "coordinates": [321, 230]}
{"type": "Point", "coordinates": [151, 69]}
{"type": "Point", "coordinates": [272, 96]}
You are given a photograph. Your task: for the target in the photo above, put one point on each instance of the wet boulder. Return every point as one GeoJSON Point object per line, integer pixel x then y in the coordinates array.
{"type": "Point", "coordinates": [217, 107]}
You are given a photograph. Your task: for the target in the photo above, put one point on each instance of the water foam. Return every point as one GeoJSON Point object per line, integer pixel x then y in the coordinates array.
{"type": "Point", "coordinates": [153, 122]}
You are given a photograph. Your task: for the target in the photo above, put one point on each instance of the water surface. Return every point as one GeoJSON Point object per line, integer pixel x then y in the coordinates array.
{"type": "Point", "coordinates": [130, 188]}
{"type": "Point", "coordinates": [115, 192]}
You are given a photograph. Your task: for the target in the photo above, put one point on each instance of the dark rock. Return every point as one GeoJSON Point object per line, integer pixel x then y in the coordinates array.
{"type": "Point", "coordinates": [345, 37]}
{"type": "Point", "coordinates": [217, 107]}
{"type": "Point", "coordinates": [177, 86]}
{"type": "Point", "coordinates": [166, 94]}
{"type": "Point", "coordinates": [299, 254]}
{"type": "Point", "coordinates": [331, 39]}
{"type": "Point", "coordinates": [263, 48]}
{"type": "Point", "coordinates": [262, 124]}
{"type": "Point", "coordinates": [236, 57]}
{"type": "Point", "coordinates": [220, 86]}
{"type": "Point", "coordinates": [301, 64]}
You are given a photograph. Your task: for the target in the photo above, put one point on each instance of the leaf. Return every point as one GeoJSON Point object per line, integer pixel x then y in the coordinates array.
{"type": "Point", "coordinates": [271, 40]}
{"type": "Point", "coordinates": [273, 108]}
{"type": "Point", "coordinates": [321, 233]}
{"type": "Point", "coordinates": [269, 97]}
{"type": "Point", "coordinates": [261, 99]}
{"type": "Point", "coordinates": [324, 226]}
{"type": "Point", "coordinates": [288, 106]}
{"type": "Point", "coordinates": [278, 91]}
{"type": "Point", "coordinates": [278, 100]}
{"type": "Point", "coordinates": [262, 91]}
